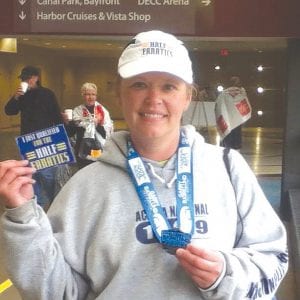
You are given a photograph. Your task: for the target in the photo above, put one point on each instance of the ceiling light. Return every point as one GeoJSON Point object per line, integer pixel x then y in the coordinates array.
{"type": "Point", "coordinates": [217, 67]}
{"type": "Point", "coordinates": [220, 88]}
{"type": "Point", "coordinates": [8, 45]}
{"type": "Point", "coordinates": [260, 90]}
{"type": "Point", "coordinates": [260, 112]}
{"type": "Point", "coordinates": [260, 68]}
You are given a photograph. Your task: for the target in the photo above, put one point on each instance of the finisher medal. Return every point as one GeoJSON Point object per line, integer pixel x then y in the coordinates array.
{"type": "Point", "coordinates": [173, 239]}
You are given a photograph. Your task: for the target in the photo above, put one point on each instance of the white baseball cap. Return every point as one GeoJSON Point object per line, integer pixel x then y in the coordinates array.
{"type": "Point", "coordinates": [155, 51]}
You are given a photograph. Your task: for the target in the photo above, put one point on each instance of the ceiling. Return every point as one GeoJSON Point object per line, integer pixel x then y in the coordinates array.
{"type": "Point", "coordinates": [110, 45]}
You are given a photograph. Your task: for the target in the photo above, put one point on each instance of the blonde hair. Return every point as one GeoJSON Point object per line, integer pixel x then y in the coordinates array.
{"type": "Point", "coordinates": [88, 86]}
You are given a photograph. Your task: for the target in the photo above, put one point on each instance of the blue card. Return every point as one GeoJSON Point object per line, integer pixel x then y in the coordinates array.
{"type": "Point", "coordinates": [46, 148]}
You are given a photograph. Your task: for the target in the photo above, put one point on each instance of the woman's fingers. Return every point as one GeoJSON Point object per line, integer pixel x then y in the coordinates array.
{"type": "Point", "coordinates": [203, 265]}
{"type": "Point", "coordinates": [15, 182]}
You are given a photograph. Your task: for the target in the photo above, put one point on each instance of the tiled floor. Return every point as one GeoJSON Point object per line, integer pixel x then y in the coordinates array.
{"type": "Point", "coordinates": [262, 148]}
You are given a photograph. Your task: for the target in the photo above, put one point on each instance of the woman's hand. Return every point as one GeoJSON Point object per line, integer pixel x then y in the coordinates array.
{"type": "Point", "coordinates": [204, 266]}
{"type": "Point", "coordinates": [15, 182]}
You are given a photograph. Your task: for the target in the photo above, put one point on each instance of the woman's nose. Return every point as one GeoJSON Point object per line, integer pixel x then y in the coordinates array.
{"type": "Point", "coordinates": [154, 95]}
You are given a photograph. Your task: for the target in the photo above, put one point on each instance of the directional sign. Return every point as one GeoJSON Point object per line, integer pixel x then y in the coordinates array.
{"type": "Point", "coordinates": [105, 16]}
{"type": "Point", "coordinates": [22, 15]}
{"type": "Point", "coordinates": [207, 18]}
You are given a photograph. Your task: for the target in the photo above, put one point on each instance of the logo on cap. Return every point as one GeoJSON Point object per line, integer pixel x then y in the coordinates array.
{"type": "Point", "coordinates": [156, 48]}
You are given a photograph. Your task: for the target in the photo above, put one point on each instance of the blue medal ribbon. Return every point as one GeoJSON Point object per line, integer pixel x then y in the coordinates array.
{"type": "Point", "coordinates": [149, 198]}
{"type": "Point", "coordinates": [184, 187]}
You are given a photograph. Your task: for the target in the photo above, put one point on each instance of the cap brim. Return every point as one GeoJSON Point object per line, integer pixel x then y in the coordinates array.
{"type": "Point", "coordinates": [141, 66]}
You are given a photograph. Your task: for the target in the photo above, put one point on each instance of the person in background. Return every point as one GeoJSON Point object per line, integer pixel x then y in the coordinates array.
{"type": "Point", "coordinates": [206, 93]}
{"type": "Point", "coordinates": [232, 111]}
{"type": "Point", "coordinates": [38, 109]}
{"type": "Point", "coordinates": [91, 124]}
{"type": "Point", "coordinates": [160, 215]}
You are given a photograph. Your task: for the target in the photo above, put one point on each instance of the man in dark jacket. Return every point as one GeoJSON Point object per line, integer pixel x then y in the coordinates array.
{"type": "Point", "coordinates": [38, 109]}
{"type": "Point", "coordinates": [38, 105]}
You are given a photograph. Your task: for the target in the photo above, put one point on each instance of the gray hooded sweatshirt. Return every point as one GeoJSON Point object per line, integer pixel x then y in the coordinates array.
{"type": "Point", "coordinates": [96, 242]}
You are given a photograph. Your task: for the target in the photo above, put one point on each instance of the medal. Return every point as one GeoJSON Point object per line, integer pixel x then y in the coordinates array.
{"type": "Point", "coordinates": [173, 239]}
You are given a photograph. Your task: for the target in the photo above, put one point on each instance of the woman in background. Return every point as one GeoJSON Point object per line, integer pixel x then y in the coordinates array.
{"type": "Point", "coordinates": [90, 126]}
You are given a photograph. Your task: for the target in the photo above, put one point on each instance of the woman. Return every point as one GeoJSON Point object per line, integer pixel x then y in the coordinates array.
{"type": "Point", "coordinates": [157, 190]}
{"type": "Point", "coordinates": [92, 125]}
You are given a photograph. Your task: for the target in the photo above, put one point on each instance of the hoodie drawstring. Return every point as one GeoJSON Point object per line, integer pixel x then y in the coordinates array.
{"type": "Point", "coordinates": [162, 180]}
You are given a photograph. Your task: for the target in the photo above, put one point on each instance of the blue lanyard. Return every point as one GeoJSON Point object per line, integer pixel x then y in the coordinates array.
{"type": "Point", "coordinates": [149, 197]}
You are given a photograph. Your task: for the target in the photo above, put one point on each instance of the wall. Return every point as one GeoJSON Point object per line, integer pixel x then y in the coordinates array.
{"type": "Point", "coordinates": [291, 149]}
{"type": "Point", "coordinates": [101, 71]}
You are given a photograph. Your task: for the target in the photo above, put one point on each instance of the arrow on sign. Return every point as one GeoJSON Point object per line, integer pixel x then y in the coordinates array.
{"type": "Point", "coordinates": [22, 16]}
{"type": "Point", "coordinates": [22, 2]}
{"type": "Point", "coordinates": [206, 2]}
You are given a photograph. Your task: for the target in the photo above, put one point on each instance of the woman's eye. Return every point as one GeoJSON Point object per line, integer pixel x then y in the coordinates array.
{"type": "Point", "coordinates": [169, 87]}
{"type": "Point", "coordinates": [138, 85]}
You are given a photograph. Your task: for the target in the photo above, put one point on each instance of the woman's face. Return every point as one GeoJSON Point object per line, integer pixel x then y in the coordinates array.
{"type": "Point", "coordinates": [90, 97]}
{"type": "Point", "coordinates": [153, 104]}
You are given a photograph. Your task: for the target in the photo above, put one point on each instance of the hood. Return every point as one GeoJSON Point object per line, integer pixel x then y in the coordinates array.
{"type": "Point", "coordinates": [115, 149]}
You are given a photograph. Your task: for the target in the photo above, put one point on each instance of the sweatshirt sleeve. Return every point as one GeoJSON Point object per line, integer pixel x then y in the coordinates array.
{"type": "Point", "coordinates": [257, 264]}
{"type": "Point", "coordinates": [34, 258]}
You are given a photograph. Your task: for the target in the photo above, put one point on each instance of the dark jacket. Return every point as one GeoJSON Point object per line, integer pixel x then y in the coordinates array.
{"type": "Point", "coordinates": [38, 107]}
